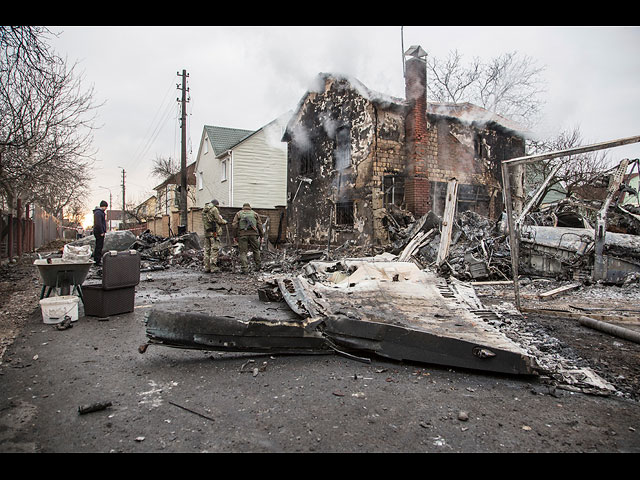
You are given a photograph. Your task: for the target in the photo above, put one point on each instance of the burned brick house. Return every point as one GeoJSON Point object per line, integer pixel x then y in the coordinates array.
{"type": "Point", "coordinates": [353, 152]}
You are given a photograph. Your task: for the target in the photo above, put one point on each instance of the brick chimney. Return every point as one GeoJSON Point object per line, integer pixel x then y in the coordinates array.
{"type": "Point", "coordinates": [417, 191]}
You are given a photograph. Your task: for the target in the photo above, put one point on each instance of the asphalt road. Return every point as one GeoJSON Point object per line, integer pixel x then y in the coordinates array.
{"type": "Point", "coordinates": [175, 400]}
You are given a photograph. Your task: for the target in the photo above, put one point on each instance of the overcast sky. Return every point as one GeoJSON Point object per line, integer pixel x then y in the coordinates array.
{"type": "Point", "coordinates": [245, 77]}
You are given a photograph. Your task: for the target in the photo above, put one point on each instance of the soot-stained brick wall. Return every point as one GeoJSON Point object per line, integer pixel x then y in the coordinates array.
{"type": "Point", "coordinates": [472, 153]}
{"type": "Point", "coordinates": [340, 147]}
{"type": "Point", "coordinates": [347, 147]}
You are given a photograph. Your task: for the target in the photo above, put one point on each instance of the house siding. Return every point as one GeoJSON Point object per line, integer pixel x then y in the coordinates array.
{"type": "Point", "coordinates": [256, 170]}
{"type": "Point", "coordinates": [259, 172]}
{"type": "Point", "coordinates": [212, 186]}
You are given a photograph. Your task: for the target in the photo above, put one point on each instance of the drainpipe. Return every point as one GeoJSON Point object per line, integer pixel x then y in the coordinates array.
{"type": "Point", "coordinates": [230, 153]}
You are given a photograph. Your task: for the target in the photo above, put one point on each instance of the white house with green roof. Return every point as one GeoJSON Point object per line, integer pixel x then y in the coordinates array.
{"type": "Point", "coordinates": [236, 166]}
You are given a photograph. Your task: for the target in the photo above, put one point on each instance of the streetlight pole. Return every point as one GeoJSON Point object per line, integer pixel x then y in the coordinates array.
{"type": "Point", "coordinates": [123, 202]}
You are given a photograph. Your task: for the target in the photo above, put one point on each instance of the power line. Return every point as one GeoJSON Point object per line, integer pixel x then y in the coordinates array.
{"type": "Point", "coordinates": [152, 131]}
{"type": "Point", "coordinates": [160, 108]}
{"type": "Point", "coordinates": [167, 115]}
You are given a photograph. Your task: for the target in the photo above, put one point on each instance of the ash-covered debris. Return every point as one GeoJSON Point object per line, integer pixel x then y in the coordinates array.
{"type": "Point", "coordinates": [479, 248]}
{"type": "Point", "coordinates": [118, 240]}
{"type": "Point", "coordinates": [399, 223]}
{"type": "Point", "coordinates": [157, 252]}
{"type": "Point", "coordinates": [559, 365]}
{"type": "Point", "coordinates": [557, 241]}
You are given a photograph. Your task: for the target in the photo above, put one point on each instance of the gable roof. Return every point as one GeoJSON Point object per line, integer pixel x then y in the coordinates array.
{"type": "Point", "coordinates": [224, 138]}
{"type": "Point", "coordinates": [319, 84]}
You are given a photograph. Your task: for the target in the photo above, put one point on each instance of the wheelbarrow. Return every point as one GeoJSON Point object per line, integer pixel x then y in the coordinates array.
{"type": "Point", "coordinates": [62, 275]}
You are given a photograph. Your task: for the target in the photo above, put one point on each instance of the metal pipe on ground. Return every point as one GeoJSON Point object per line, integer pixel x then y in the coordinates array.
{"type": "Point", "coordinates": [621, 332]}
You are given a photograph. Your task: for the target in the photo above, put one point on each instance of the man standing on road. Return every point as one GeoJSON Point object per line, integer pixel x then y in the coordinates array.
{"type": "Point", "coordinates": [246, 230]}
{"type": "Point", "coordinates": [99, 230]}
{"type": "Point", "coordinates": [212, 221]}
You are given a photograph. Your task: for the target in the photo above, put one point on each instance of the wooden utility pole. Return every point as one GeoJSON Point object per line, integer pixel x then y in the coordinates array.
{"type": "Point", "coordinates": [183, 159]}
{"type": "Point", "coordinates": [124, 221]}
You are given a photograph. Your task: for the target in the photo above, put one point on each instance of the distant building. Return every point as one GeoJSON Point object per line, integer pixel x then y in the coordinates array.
{"type": "Point", "coordinates": [168, 192]}
{"type": "Point", "coordinates": [163, 209]}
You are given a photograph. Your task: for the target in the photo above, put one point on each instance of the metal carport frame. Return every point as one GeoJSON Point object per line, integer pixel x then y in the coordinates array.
{"type": "Point", "coordinates": [514, 233]}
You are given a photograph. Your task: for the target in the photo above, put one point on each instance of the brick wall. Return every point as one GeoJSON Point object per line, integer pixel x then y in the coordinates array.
{"type": "Point", "coordinates": [421, 147]}
{"type": "Point", "coordinates": [389, 157]}
{"type": "Point", "coordinates": [454, 160]}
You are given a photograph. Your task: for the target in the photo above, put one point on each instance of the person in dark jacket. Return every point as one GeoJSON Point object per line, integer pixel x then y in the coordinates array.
{"type": "Point", "coordinates": [99, 229]}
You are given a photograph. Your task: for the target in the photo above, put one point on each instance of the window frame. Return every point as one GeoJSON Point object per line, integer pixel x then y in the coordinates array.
{"type": "Point", "coordinates": [344, 214]}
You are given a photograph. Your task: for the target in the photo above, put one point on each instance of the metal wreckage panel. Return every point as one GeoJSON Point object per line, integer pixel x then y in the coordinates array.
{"type": "Point", "coordinates": [236, 323]}
{"type": "Point", "coordinates": [390, 309]}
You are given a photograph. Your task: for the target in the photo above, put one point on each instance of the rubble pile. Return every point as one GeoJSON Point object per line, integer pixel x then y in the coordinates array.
{"type": "Point", "coordinates": [158, 253]}
{"type": "Point", "coordinates": [575, 213]}
{"type": "Point", "coordinates": [479, 248]}
{"type": "Point", "coordinates": [556, 241]}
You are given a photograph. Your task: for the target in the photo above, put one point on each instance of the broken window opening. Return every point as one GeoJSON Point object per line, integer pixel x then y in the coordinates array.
{"type": "Point", "coordinates": [344, 213]}
{"type": "Point", "coordinates": [306, 163]}
{"type": "Point", "coordinates": [393, 189]}
{"type": "Point", "coordinates": [176, 196]}
{"type": "Point", "coordinates": [342, 152]}
{"type": "Point", "coordinates": [480, 147]}
{"type": "Point", "coordinates": [470, 197]}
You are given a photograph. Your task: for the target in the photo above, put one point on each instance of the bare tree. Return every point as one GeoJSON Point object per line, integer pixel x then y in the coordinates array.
{"type": "Point", "coordinates": [512, 85]}
{"type": "Point", "coordinates": [46, 121]}
{"type": "Point", "coordinates": [56, 190]}
{"type": "Point", "coordinates": [576, 172]}
{"type": "Point", "coordinates": [76, 211]}
{"type": "Point", "coordinates": [509, 85]}
{"type": "Point", "coordinates": [450, 80]}
{"type": "Point", "coordinates": [164, 167]}
{"type": "Point", "coordinates": [135, 213]}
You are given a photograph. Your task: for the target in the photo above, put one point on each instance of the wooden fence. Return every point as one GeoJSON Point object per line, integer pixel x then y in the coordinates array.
{"type": "Point", "coordinates": [27, 229]}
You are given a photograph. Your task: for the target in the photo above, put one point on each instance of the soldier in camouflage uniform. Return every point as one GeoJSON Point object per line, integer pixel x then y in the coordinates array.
{"type": "Point", "coordinates": [246, 230]}
{"type": "Point", "coordinates": [212, 221]}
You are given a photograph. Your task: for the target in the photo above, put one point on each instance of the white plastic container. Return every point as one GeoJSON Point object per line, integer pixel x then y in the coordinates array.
{"type": "Point", "coordinates": [54, 309]}
{"type": "Point", "coordinates": [80, 254]}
